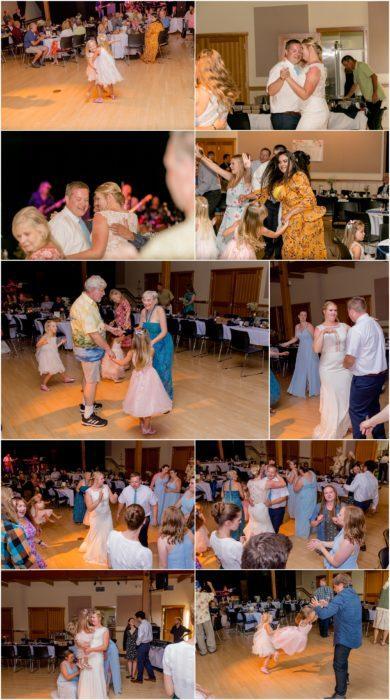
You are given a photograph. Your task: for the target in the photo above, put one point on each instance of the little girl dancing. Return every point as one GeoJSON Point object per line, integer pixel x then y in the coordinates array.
{"type": "Point", "coordinates": [101, 70]}
{"type": "Point", "coordinates": [293, 639]}
{"type": "Point", "coordinates": [263, 642]}
{"type": "Point", "coordinates": [146, 396]}
{"type": "Point", "coordinates": [247, 234]}
{"type": "Point", "coordinates": [40, 513]}
{"type": "Point", "coordinates": [48, 358]}
{"type": "Point", "coordinates": [109, 368]}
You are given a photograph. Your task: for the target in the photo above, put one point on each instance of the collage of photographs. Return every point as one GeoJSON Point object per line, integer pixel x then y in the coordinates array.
{"type": "Point", "coordinates": [195, 350]}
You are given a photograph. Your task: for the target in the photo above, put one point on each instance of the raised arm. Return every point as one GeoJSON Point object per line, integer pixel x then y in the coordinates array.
{"type": "Point", "coordinates": [211, 165]}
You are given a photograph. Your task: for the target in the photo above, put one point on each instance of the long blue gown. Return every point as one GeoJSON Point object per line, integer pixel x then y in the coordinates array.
{"type": "Point", "coordinates": [170, 498]}
{"type": "Point", "coordinates": [306, 373]}
{"type": "Point", "coordinates": [79, 508]}
{"type": "Point", "coordinates": [187, 504]}
{"type": "Point", "coordinates": [159, 486]}
{"type": "Point", "coordinates": [292, 500]}
{"type": "Point", "coordinates": [305, 503]}
{"type": "Point", "coordinates": [232, 496]}
{"type": "Point", "coordinates": [163, 355]}
{"type": "Point", "coordinates": [274, 389]}
{"type": "Point", "coordinates": [111, 664]}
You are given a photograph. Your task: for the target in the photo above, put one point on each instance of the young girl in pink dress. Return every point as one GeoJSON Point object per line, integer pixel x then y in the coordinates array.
{"type": "Point", "coordinates": [109, 368]}
{"type": "Point", "coordinates": [293, 639]}
{"type": "Point", "coordinates": [48, 358]}
{"type": "Point", "coordinates": [146, 396]}
{"type": "Point", "coordinates": [247, 234]}
{"type": "Point", "coordinates": [33, 234]}
{"type": "Point", "coordinates": [263, 645]}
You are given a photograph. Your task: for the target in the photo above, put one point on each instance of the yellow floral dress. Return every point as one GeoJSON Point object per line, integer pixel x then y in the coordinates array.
{"type": "Point", "coordinates": [151, 42]}
{"type": "Point", "coordinates": [304, 236]}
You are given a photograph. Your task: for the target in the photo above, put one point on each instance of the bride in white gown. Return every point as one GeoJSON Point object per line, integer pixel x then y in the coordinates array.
{"type": "Point", "coordinates": [98, 499]}
{"type": "Point", "coordinates": [258, 487]}
{"type": "Point", "coordinates": [330, 340]}
{"type": "Point", "coordinates": [314, 108]}
{"type": "Point", "coordinates": [110, 214]}
{"type": "Point", "coordinates": [92, 681]}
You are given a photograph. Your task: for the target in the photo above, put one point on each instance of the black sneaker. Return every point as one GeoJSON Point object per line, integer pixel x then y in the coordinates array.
{"type": "Point", "coordinates": [96, 407]}
{"type": "Point", "coordinates": [94, 421]}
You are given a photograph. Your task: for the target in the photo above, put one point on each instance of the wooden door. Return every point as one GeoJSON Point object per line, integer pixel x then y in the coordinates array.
{"type": "Point", "coordinates": [7, 624]}
{"type": "Point", "coordinates": [219, 146]}
{"type": "Point", "coordinates": [45, 621]}
{"type": "Point", "coordinates": [342, 311]}
{"type": "Point", "coordinates": [366, 449]}
{"type": "Point", "coordinates": [322, 453]}
{"type": "Point", "coordinates": [181, 456]}
{"type": "Point", "coordinates": [373, 583]}
{"type": "Point", "coordinates": [231, 290]}
{"type": "Point", "coordinates": [233, 49]}
{"type": "Point", "coordinates": [151, 280]}
{"type": "Point", "coordinates": [150, 460]}
{"type": "Point", "coordinates": [170, 612]}
{"type": "Point", "coordinates": [179, 282]}
{"type": "Point", "coordinates": [129, 460]}
{"type": "Point", "coordinates": [290, 449]}
{"type": "Point", "coordinates": [271, 450]}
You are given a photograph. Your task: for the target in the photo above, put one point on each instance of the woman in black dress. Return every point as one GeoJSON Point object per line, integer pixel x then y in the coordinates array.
{"type": "Point", "coordinates": [131, 648]}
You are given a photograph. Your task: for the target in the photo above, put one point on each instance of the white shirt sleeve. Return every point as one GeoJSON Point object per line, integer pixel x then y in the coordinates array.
{"type": "Point", "coordinates": [353, 485]}
{"type": "Point", "coordinates": [167, 661]}
{"type": "Point", "coordinates": [353, 342]}
{"type": "Point", "coordinates": [148, 559]}
{"type": "Point", "coordinates": [122, 496]}
{"type": "Point", "coordinates": [274, 74]}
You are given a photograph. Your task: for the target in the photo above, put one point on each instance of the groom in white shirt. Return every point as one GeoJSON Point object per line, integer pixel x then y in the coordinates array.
{"type": "Point", "coordinates": [68, 227]}
{"type": "Point", "coordinates": [366, 357]}
{"type": "Point", "coordinates": [284, 103]}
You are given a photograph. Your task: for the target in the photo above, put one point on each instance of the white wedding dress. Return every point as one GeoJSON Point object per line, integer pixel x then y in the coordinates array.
{"type": "Point", "coordinates": [94, 546]}
{"type": "Point", "coordinates": [92, 681]}
{"type": "Point", "coordinates": [335, 386]}
{"type": "Point", "coordinates": [259, 520]}
{"type": "Point", "coordinates": [314, 110]}
{"type": "Point", "coordinates": [118, 248]}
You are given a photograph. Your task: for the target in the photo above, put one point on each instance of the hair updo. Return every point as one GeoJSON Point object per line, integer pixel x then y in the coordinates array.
{"type": "Point", "coordinates": [223, 512]}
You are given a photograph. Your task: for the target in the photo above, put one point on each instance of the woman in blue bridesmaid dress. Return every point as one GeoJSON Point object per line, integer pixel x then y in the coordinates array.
{"type": "Point", "coordinates": [306, 377]}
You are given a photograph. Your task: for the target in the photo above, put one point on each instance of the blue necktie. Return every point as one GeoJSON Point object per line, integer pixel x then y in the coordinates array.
{"type": "Point", "coordinates": [297, 70]}
{"type": "Point", "coordinates": [135, 496]}
{"type": "Point", "coordinates": [85, 232]}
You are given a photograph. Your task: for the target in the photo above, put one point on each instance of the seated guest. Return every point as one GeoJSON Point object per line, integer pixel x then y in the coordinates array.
{"type": "Point", "coordinates": [165, 21]}
{"type": "Point", "coordinates": [58, 304]}
{"type": "Point", "coordinates": [17, 34]}
{"type": "Point", "coordinates": [31, 230]}
{"type": "Point", "coordinates": [33, 44]}
{"type": "Point", "coordinates": [68, 228]}
{"type": "Point", "coordinates": [384, 188]}
{"type": "Point", "coordinates": [79, 29]}
{"type": "Point", "coordinates": [42, 199]}
{"type": "Point", "coordinates": [66, 29]}
{"type": "Point", "coordinates": [266, 551]}
{"type": "Point", "coordinates": [125, 551]}
{"type": "Point", "coordinates": [46, 305]}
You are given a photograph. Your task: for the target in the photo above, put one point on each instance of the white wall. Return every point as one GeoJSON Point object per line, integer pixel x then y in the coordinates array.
{"type": "Point", "coordinates": [307, 579]}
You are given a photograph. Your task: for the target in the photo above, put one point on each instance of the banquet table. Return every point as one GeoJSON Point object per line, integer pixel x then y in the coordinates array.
{"type": "Point", "coordinates": [213, 466]}
{"type": "Point", "coordinates": [383, 248]}
{"type": "Point", "coordinates": [176, 25]}
{"type": "Point", "coordinates": [119, 43]}
{"type": "Point", "coordinates": [206, 488]}
{"type": "Point", "coordinates": [339, 488]}
{"type": "Point", "coordinates": [68, 493]}
{"type": "Point", "coordinates": [119, 484]}
{"type": "Point", "coordinates": [156, 654]}
{"type": "Point", "coordinates": [49, 647]}
{"type": "Point", "coordinates": [257, 336]}
{"type": "Point", "coordinates": [337, 121]}
{"type": "Point", "coordinates": [50, 40]}
{"type": "Point", "coordinates": [376, 219]}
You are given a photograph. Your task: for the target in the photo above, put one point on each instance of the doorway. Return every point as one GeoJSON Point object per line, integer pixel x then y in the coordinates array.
{"type": "Point", "coordinates": [44, 622]}
{"type": "Point", "coordinates": [232, 290]}
{"type": "Point", "coordinates": [178, 284]}
{"type": "Point", "coordinates": [169, 613]}
{"type": "Point", "coordinates": [7, 624]}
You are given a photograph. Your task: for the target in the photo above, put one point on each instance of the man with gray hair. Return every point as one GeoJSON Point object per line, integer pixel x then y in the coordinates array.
{"type": "Point", "coordinates": [90, 345]}
{"type": "Point", "coordinates": [366, 357]}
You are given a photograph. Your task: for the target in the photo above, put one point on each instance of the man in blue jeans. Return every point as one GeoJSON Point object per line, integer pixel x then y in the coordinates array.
{"type": "Point", "coordinates": [144, 638]}
{"type": "Point", "coordinates": [346, 610]}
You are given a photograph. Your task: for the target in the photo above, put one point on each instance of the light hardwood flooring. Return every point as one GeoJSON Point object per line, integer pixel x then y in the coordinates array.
{"type": "Point", "coordinates": [64, 538]}
{"type": "Point", "coordinates": [152, 96]}
{"type": "Point", "coordinates": [233, 672]}
{"type": "Point", "coordinates": [302, 558]}
{"type": "Point", "coordinates": [296, 418]}
{"type": "Point", "coordinates": [41, 684]}
{"type": "Point", "coordinates": [209, 402]}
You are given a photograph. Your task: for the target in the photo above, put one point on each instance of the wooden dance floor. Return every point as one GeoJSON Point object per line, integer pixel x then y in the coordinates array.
{"type": "Point", "coordinates": [41, 684]}
{"type": "Point", "coordinates": [64, 538]}
{"type": "Point", "coordinates": [154, 96]}
{"type": "Point", "coordinates": [296, 418]}
{"type": "Point", "coordinates": [234, 672]}
{"type": "Point", "coordinates": [208, 401]}
{"type": "Point", "coordinates": [301, 557]}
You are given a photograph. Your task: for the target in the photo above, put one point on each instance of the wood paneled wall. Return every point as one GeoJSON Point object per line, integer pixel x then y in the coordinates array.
{"type": "Point", "coordinates": [233, 49]}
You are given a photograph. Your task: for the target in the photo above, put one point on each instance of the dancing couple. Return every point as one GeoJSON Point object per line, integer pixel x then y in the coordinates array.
{"type": "Point", "coordinates": [351, 371]}
{"type": "Point", "coordinates": [150, 390]}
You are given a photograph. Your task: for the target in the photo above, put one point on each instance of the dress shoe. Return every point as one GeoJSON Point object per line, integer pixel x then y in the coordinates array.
{"type": "Point", "coordinates": [135, 680]}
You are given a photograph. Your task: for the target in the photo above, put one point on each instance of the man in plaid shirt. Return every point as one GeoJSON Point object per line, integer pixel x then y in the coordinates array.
{"type": "Point", "coordinates": [324, 592]}
{"type": "Point", "coordinates": [15, 550]}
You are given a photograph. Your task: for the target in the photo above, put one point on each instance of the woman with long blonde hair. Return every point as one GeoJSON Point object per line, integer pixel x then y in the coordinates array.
{"type": "Point", "coordinates": [206, 245]}
{"type": "Point", "coordinates": [343, 551]}
{"type": "Point", "coordinates": [110, 223]}
{"type": "Point", "coordinates": [314, 110]}
{"type": "Point", "coordinates": [239, 180]}
{"type": "Point", "coordinates": [248, 233]}
{"type": "Point", "coordinates": [216, 92]}
{"type": "Point", "coordinates": [330, 339]}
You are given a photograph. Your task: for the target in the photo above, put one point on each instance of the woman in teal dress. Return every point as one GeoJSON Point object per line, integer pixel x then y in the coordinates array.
{"type": "Point", "coordinates": [189, 301]}
{"type": "Point", "coordinates": [233, 493]}
{"type": "Point", "coordinates": [153, 318]}
{"type": "Point", "coordinates": [158, 485]}
{"type": "Point", "coordinates": [306, 499]}
{"type": "Point", "coordinates": [79, 508]}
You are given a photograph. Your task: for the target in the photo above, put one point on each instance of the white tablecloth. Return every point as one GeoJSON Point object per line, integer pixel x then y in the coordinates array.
{"type": "Point", "coordinates": [119, 484]}
{"type": "Point", "coordinates": [339, 488]}
{"type": "Point", "coordinates": [257, 336]}
{"type": "Point", "coordinates": [119, 43]}
{"type": "Point", "coordinates": [206, 488]}
{"type": "Point", "coordinates": [376, 219]}
{"type": "Point", "coordinates": [384, 244]}
{"type": "Point", "coordinates": [212, 466]}
{"type": "Point", "coordinates": [68, 493]}
{"type": "Point", "coordinates": [339, 122]}
{"type": "Point", "coordinates": [176, 25]}
{"type": "Point", "coordinates": [156, 656]}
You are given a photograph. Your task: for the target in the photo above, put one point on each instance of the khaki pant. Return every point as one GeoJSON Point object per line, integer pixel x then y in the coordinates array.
{"type": "Point", "coordinates": [205, 637]}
